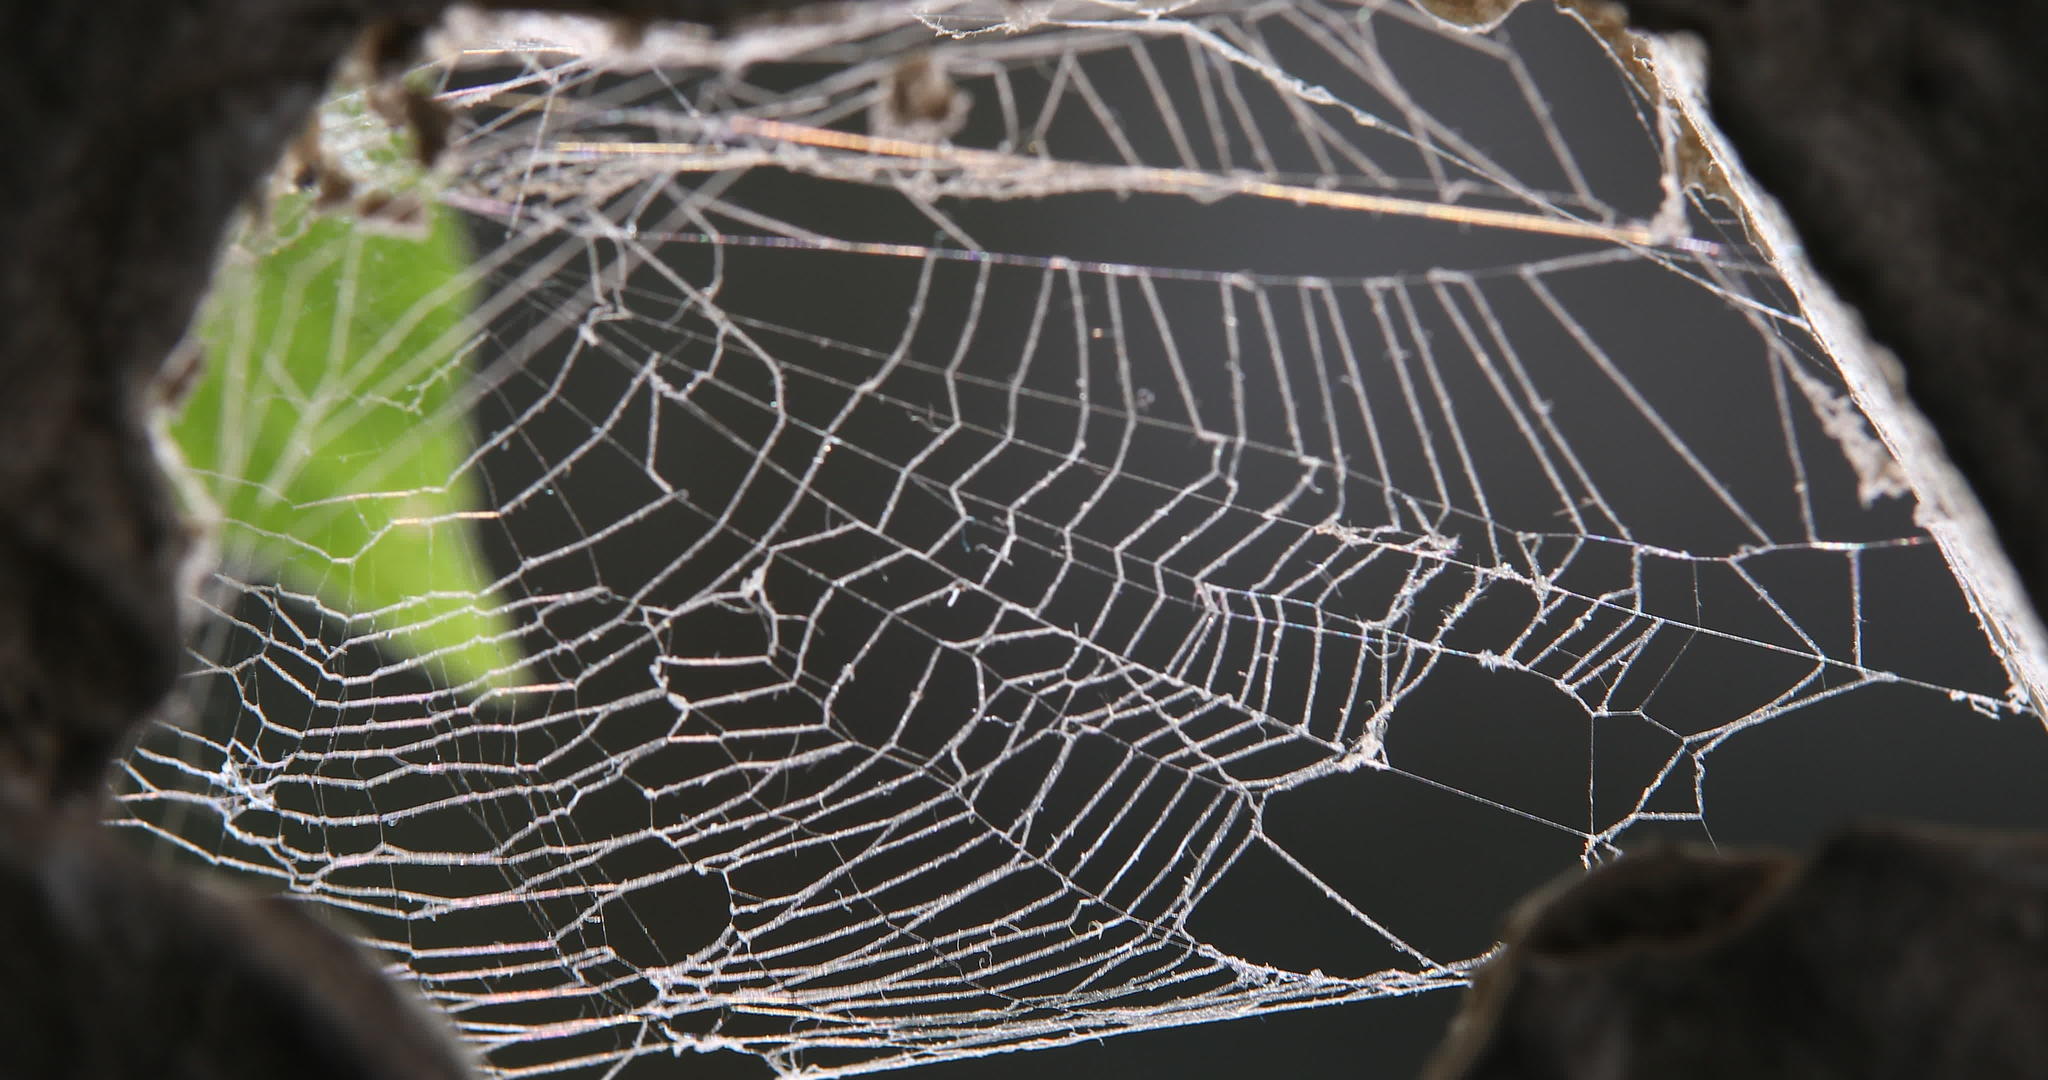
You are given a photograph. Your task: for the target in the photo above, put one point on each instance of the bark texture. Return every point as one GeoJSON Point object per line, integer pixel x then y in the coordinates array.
{"type": "Point", "coordinates": [114, 969]}
{"type": "Point", "coordinates": [1892, 953]}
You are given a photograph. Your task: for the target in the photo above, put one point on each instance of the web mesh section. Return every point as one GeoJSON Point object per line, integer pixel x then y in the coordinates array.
{"type": "Point", "coordinates": [998, 534]}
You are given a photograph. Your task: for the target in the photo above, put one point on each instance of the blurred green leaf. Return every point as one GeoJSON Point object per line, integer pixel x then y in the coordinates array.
{"type": "Point", "coordinates": [327, 428]}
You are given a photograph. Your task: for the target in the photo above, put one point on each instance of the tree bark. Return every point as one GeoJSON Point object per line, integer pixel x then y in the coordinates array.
{"type": "Point", "coordinates": [1891, 953]}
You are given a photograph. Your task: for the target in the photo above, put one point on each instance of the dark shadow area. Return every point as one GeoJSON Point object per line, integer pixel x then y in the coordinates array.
{"type": "Point", "coordinates": [1890, 953]}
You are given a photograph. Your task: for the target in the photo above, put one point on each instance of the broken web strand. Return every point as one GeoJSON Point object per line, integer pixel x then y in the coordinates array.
{"type": "Point", "coordinates": [936, 673]}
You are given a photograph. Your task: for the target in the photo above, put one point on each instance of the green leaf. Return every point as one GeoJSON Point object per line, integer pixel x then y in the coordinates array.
{"type": "Point", "coordinates": [328, 430]}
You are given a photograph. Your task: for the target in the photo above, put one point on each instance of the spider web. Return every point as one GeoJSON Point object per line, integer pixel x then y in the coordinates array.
{"type": "Point", "coordinates": [1196, 540]}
